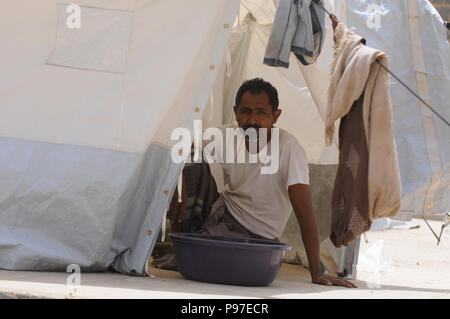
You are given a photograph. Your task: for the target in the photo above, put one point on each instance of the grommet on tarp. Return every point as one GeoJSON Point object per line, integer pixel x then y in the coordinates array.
{"type": "Point", "coordinates": [228, 59]}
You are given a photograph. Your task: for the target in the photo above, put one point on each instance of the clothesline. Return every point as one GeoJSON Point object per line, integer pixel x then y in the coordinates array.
{"type": "Point", "coordinates": [316, 2]}
{"type": "Point", "coordinates": [414, 93]}
{"type": "Point", "coordinates": [332, 16]}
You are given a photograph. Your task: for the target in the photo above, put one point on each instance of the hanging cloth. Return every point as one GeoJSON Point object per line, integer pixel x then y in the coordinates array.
{"type": "Point", "coordinates": [299, 26]}
{"type": "Point", "coordinates": [359, 88]}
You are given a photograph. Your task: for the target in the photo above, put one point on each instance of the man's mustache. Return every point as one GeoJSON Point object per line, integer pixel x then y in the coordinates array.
{"type": "Point", "coordinates": [256, 127]}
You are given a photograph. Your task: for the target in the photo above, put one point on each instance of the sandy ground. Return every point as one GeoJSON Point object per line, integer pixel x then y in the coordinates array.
{"type": "Point", "coordinates": [419, 269]}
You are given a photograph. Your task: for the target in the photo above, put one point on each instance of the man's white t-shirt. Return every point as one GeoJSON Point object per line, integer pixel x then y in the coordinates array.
{"type": "Point", "coordinates": [260, 202]}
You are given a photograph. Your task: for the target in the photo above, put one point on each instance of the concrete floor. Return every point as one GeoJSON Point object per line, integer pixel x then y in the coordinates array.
{"type": "Point", "coordinates": [421, 269]}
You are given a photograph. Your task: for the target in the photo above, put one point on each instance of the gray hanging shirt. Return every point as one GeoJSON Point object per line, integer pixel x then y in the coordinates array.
{"type": "Point", "coordinates": [299, 26]}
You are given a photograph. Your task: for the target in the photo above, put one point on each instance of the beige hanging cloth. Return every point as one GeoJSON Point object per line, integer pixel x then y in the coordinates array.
{"type": "Point", "coordinates": [358, 81]}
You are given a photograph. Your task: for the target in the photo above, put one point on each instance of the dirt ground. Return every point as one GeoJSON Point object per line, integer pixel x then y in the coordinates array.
{"type": "Point", "coordinates": [418, 262]}
{"type": "Point", "coordinates": [418, 269]}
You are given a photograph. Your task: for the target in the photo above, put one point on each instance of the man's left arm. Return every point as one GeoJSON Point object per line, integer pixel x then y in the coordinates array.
{"type": "Point", "coordinates": [300, 197]}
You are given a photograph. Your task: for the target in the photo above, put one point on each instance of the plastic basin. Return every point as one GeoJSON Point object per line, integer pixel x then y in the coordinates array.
{"type": "Point", "coordinates": [224, 260]}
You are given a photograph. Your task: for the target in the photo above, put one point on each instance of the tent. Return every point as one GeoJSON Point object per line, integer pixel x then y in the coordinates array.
{"type": "Point", "coordinates": [88, 103]}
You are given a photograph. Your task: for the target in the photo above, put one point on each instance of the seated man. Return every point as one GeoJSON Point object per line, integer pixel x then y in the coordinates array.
{"type": "Point", "coordinates": [253, 204]}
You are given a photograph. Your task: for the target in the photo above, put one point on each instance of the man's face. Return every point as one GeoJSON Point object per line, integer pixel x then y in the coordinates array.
{"type": "Point", "coordinates": [255, 111]}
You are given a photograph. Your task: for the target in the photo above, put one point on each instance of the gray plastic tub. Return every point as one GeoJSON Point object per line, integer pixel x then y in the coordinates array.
{"type": "Point", "coordinates": [224, 260]}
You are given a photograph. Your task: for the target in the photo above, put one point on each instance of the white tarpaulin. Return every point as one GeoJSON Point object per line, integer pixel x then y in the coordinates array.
{"type": "Point", "coordinates": [85, 166]}
{"type": "Point", "coordinates": [86, 114]}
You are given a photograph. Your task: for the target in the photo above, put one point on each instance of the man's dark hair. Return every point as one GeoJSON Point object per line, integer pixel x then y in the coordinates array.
{"type": "Point", "coordinates": [256, 86]}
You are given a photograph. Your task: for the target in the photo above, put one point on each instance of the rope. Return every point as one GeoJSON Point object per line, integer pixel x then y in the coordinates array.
{"type": "Point", "coordinates": [180, 186]}
{"type": "Point", "coordinates": [211, 106]}
{"type": "Point", "coordinates": [163, 227]}
{"type": "Point", "coordinates": [316, 2]}
{"type": "Point", "coordinates": [228, 59]}
{"type": "Point", "coordinates": [414, 93]}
